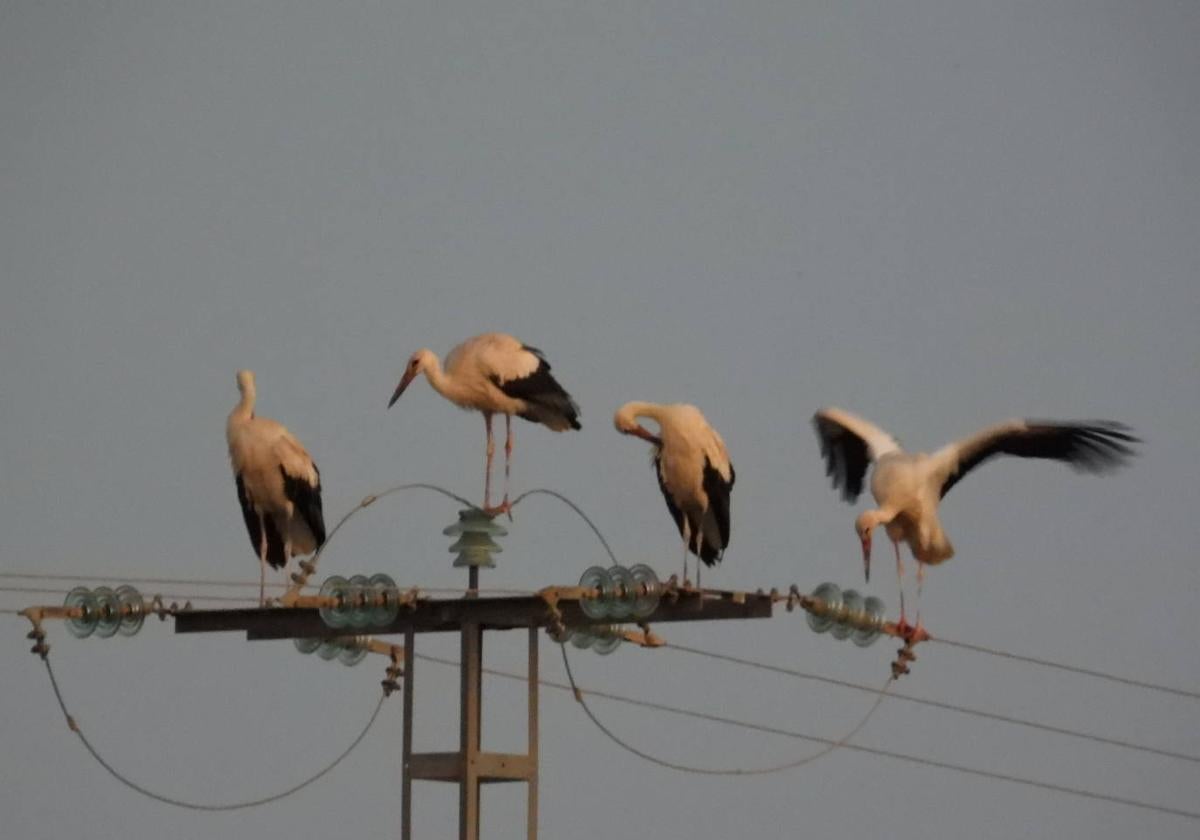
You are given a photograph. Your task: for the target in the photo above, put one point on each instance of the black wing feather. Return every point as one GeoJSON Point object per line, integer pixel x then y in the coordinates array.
{"type": "Point", "coordinates": [1095, 446]}
{"type": "Point", "coordinates": [276, 558]}
{"type": "Point", "coordinates": [307, 500]}
{"type": "Point", "coordinates": [717, 489]}
{"type": "Point", "coordinates": [253, 528]}
{"type": "Point", "coordinates": [548, 402]}
{"type": "Point", "coordinates": [846, 457]}
{"type": "Point", "coordinates": [672, 508]}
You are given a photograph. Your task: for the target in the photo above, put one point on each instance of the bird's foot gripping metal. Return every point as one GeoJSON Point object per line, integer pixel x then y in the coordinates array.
{"type": "Point", "coordinates": [505, 507]}
{"type": "Point", "coordinates": [911, 636]}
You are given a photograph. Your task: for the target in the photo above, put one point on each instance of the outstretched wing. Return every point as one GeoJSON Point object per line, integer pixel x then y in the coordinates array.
{"type": "Point", "coordinates": [848, 444]}
{"type": "Point", "coordinates": [1094, 446]}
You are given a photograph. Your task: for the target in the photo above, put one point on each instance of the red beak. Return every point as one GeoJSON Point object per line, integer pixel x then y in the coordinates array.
{"type": "Point", "coordinates": [645, 435]}
{"type": "Point", "coordinates": [409, 376]}
{"type": "Point", "coordinates": [866, 547]}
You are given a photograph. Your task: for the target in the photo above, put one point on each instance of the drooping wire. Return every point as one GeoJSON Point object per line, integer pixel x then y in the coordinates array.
{"type": "Point", "coordinates": [937, 704]}
{"type": "Point", "coordinates": [718, 771]}
{"type": "Point", "coordinates": [542, 491]}
{"type": "Point", "coordinates": [788, 733]}
{"type": "Point", "coordinates": [234, 806]}
{"type": "Point", "coordinates": [202, 806]}
{"type": "Point", "coordinates": [830, 747]}
{"type": "Point", "coordinates": [367, 502]}
{"type": "Point", "coordinates": [1074, 669]}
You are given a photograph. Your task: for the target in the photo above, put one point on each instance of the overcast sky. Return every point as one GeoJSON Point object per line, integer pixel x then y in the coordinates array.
{"type": "Point", "coordinates": [938, 214]}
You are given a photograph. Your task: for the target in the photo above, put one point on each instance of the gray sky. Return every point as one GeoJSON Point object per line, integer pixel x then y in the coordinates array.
{"type": "Point", "coordinates": [939, 214]}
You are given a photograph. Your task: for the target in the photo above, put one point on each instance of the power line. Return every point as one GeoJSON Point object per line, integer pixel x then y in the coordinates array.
{"type": "Point", "coordinates": [967, 710]}
{"type": "Point", "coordinates": [990, 651]}
{"type": "Point", "coordinates": [937, 704]}
{"type": "Point", "coordinates": [773, 730]}
{"type": "Point", "coordinates": [152, 580]}
{"type": "Point", "coordinates": [453, 590]}
{"type": "Point", "coordinates": [719, 771]}
{"type": "Point", "coordinates": [175, 595]}
{"type": "Point", "coordinates": [201, 806]}
{"type": "Point", "coordinates": [1074, 669]}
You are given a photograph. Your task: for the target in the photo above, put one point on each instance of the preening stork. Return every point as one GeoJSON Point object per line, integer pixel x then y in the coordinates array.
{"type": "Point", "coordinates": [908, 488]}
{"type": "Point", "coordinates": [278, 485]}
{"type": "Point", "coordinates": [694, 473]}
{"type": "Point", "coordinates": [495, 373]}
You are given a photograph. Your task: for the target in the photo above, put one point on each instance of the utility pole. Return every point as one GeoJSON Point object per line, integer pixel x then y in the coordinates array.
{"type": "Point", "coordinates": [471, 618]}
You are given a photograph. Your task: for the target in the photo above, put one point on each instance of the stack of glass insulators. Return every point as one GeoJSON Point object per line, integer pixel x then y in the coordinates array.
{"type": "Point", "coordinates": [622, 594]}
{"type": "Point", "coordinates": [349, 650]}
{"type": "Point", "coordinates": [846, 614]}
{"type": "Point", "coordinates": [105, 612]}
{"type": "Point", "coordinates": [359, 601]}
{"type": "Point", "coordinates": [601, 638]}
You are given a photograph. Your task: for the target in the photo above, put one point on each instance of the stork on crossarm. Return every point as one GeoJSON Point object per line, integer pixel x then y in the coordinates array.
{"type": "Point", "coordinates": [278, 485]}
{"type": "Point", "coordinates": [694, 473]}
{"type": "Point", "coordinates": [495, 373]}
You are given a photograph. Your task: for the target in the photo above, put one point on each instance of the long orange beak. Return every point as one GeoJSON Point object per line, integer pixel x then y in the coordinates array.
{"type": "Point", "coordinates": [645, 435]}
{"type": "Point", "coordinates": [409, 376]}
{"type": "Point", "coordinates": [866, 547]}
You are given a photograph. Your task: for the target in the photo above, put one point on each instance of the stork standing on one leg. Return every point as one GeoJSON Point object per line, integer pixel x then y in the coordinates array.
{"type": "Point", "coordinates": [278, 485]}
{"type": "Point", "coordinates": [908, 488]}
{"type": "Point", "coordinates": [495, 373]}
{"type": "Point", "coordinates": [694, 473]}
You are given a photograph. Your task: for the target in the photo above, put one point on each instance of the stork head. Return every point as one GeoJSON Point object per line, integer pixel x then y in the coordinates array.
{"type": "Point", "coordinates": [625, 421]}
{"type": "Point", "coordinates": [245, 381]}
{"type": "Point", "coordinates": [417, 363]}
{"type": "Point", "coordinates": [864, 525]}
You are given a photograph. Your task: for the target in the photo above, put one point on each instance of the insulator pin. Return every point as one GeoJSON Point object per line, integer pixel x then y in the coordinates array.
{"type": "Point", "coordinates": [475, 545]}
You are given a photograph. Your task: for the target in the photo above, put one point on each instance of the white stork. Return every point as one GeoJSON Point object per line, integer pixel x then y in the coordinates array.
{"type": "Point", "coordinates": [908, 488]}
{"type": "Point", "coordinates": [694, 473]}
{"type": "Point", "coordinates": [495, 373]}
{"type": "Point", "coordinates": [278, 485]}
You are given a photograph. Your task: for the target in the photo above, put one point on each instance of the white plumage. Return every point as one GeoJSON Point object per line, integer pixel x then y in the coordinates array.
{"type": "Point", "coordinates": [279, 487]}
{"type": "Point", "coordinates": [694, 473]}
{"type": "Point", "coordinates": [495, 373]}
{"type": "Point", "coordinates": [908, 488]}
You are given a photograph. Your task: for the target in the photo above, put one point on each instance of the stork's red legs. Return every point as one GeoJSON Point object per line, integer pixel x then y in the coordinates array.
{"type": "Point", "coordinates": [491, 450]}
{"type": "Point", "coordinates": [262, 561]}
{"type": "Point", "coordinates": [508, 448]}
{"type": "Point", "coordinates": [920, 585]}
{"type": "Point", "coordinates": [902, 625]}
{"type": "Point", "coordinates": [503, 507]}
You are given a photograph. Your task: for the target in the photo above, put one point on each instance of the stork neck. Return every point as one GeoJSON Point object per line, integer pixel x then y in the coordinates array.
{"type": "Point", "coordinates": [649, 410]}
{"type": "Point", "coordinates": [244, 410]}
{"type": "Point", "coordinates": [443, 383]}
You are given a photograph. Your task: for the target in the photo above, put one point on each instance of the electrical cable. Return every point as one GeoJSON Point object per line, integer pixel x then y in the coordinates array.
{"type": "Point", "coordinates": [200, 806]}
{"type": "Point", "coordinates": [1074, 669]}
{"type": "Point", "coordinates": [937, 704]}
{"type": "Point", "coordinates": [788, 733]}
{"type": "Point", "coordinates": [715, 771]}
